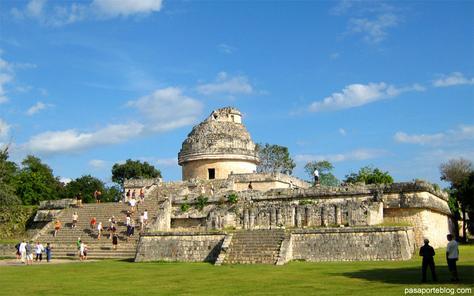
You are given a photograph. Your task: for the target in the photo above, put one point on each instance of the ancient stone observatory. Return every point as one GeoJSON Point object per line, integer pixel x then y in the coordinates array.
{"type": "Point", "coordinates": [218, 147]}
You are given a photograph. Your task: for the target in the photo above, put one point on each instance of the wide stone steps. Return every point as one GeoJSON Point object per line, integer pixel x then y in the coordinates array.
{"type": "Point", "coordinates": [64, 244]}
{"type": "Point", "coordinates": [255, 246]}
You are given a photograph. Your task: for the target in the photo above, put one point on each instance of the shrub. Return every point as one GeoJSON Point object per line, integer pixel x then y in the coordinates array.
{"type": "Point", "coordinates": [201, 202]}
{"type": "Point", "coordinates": [232, 198]}
{"type": "Point", "coordinates": [185, 207]}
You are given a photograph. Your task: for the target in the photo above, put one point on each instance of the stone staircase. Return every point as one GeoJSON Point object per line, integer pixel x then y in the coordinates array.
{"type": "Point", "coordinates": [255, 246]}
{"type": "Point", "coordinates": [64, 244]}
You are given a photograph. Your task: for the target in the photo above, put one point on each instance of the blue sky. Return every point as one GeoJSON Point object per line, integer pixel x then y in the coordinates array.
{"type": "Point", "coordinates": [86, 84]}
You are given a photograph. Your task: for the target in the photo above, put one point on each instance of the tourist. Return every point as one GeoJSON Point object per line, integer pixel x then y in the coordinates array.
{"type": "Point", "coordinates": [99, 230]}
{"type": "Point", "coordinates": [427, 252]}
{"type": "Point", "coordinates": [17, 252]}
{"type": "Point", "coordinates": [74, 220]}
{"type": "Point", "coordinates": [452, 255]}
{"type": "Point", "coordinates": [93, 222]}
{"type": "Point", "coordinates": [112, 227]}
{"type": "Point", "coordinates": [142, 195]}
{"type": "Point", "coordinates": [29, 253]}
{"type": "Point", "coordinates": [134, 193]}
{"type": "Point", "coordinates": [97, 195]}
{"type": "Point", "coordinates": [127, 195]}
{"type": "Point", "coordinates": [39, 252]}
{"type": "Point", "coordinates": [132, 227]}
{"type": "Point", "coordinates": [78, 246]}
{"type": "Point", "coordinates": [114, 241]}
{"type": "Point", "coordinates": [79, 200]}
{"type": "Point", "coordinates": [82, 251]}
{"type": "Point", "coordinates": [145, 217]}
{"type": "Point", "coordinates": [132, 203]}
{"type": "Point", "coordinates": [57, 227]}
{"type": "Point", "coordinates": [316, 177]}
{"type": "Point", "coordinates": [127, 220]}
{"type": "Point", "coordinates": [141, 220]}
{"type": "Point", "coordinates": [48, 252]}
{"type": "Point", "coordinates": [22, 249]}
{"type": "Point", "coordinates": [250, 187]}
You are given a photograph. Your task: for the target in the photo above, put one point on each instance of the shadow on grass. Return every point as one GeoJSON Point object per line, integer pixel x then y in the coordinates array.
{"type": "Point", "coordinates": [412, 275]}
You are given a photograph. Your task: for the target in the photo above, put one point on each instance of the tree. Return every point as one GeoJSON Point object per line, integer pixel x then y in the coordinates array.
{"type": "Point", "coordinates": [324, 167]}
{"type": "Point", "coordinates": [459, 172]}
{"type": "Point", "coordinates": [274, 159]}
{"type": "Point", "coordinates": [369, 175]}
{"type": "Point", "coordinates": [133, 169]}
{"type": "Point", "coordinates": [8, 171]}
{"type": "Point", "coordinates": [86, 186]}
{"type": "Point", "coordinates": [36, 182]}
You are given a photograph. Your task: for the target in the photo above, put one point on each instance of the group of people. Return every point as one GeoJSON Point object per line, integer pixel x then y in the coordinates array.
{"type": "Point", "coordinates": [25, 251]}
{"type": "Point", "coordinates": [452, 256]}
{"type": "Point", "coordinates": [82, 249]}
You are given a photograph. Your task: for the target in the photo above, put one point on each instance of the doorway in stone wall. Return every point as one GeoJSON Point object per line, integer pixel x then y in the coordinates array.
{"type": "Point", "coordinates": [211, 173]}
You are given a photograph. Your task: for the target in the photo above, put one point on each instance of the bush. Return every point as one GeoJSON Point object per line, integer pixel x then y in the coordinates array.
{"type": "Point", "coordinates": [201, 202]}
{"type": "Point", "coordinates": [232, 198]}
{"type": "Point", "coordinates": [185, 207]}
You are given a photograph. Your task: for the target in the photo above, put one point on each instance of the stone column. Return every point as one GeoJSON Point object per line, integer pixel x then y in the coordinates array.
{"type": "Point", "coordinates": [251, 218]}
{"type": "Point", "coordinates": [298, 217]}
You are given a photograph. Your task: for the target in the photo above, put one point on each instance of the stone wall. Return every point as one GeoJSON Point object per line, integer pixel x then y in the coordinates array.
{"type": "Point", "coordinates": [352, 244]}
{"type": "Point", "coordinates": [223, 168]}
{"type": "Point", "coordinates": [426, 224]}
{"type": "Point", "coordinates": [179, 246]}
{"type": "Point", "coordinates": [266, 181]}
{"type": "Point", "coordinates": [7, 250]}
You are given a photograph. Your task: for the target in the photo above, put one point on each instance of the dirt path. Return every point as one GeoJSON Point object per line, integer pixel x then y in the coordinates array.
{"type": "Point", "coordinates": [13, 262]}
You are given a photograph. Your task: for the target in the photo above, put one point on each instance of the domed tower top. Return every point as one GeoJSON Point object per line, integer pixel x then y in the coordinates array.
{"type": "Point", "coordinates": [218, 146]}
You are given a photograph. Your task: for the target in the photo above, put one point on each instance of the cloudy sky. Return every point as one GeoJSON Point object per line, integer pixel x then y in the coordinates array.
{"type": "Point", "coordinates": [86, 84]}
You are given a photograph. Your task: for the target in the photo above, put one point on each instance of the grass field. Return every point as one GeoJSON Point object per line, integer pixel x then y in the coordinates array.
{"type": "Point", "coordinates": [296, 278]}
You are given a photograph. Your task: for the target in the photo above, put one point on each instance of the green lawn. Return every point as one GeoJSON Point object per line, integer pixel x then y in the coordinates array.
{"type": "Point", "coordinates": [296, 278]}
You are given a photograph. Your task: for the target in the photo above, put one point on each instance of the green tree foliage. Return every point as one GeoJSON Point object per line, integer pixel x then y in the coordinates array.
{"type": "Point", "coordinates": [460, 173]}
{"type": "Point", "coordinates": [133, 169]}
{"type": "Point", "coordinates": [274, 159]}
{"type": "Point", "coordinates": [326, 178]}
{"type": "Point", "coordinates": [36, 182]}
{"type": "Point", "coordinates": [8, 171]}
{"type": "Point", "coordinates": [86, 186]}
{"type": "Point", "coordinates": [369, 175]}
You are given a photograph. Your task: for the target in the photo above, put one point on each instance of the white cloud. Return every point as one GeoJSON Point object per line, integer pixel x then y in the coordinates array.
{"type": "Point", "coordinates": [342, 131]}
{"type": "Point", "coordinates": [168, 108]}
{"type": "Point", "coordinates": [127, 7]}
{"type": "Point", "coordinates": [359, 154]}
{"type": "Point", "coordinates": [6, 77]}
{"type": "Point", "coordinates": [36, 108]}
{"type": "Point", "coordinates": [97, 163]}
{"type": "Point", "coordinates": [4, 129]}
{"type": "Point", "coordinates": [65, 180]}
{"type": "Point", "coordinates": [374, 30]}
{"type": "Point", "coordinates": [167, 162]}
{"type": "Point", "coordinates": [455, 78]}
{"type": "Point", "coordinates": [226, 48]}
{"type": "Point", "coordinates": [71, 12]}
{"type": "Point", "coordinates": [225, 84]}
{"type": "Point", "coordinates": [71, 140]}
{"type": "Point", "coordinates": [355, 95]}
{"type": "Point", "coordinates": [463, 132]}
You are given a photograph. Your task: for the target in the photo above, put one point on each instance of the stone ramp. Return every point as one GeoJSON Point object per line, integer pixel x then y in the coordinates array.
{"type": "Point", "coordinates": [64, 244]}
{"type": "Point", "coordinates": [255, 246]}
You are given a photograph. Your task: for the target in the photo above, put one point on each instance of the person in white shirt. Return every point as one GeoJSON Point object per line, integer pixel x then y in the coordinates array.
{"type": "Point", "coordinates": [316, 177]}
{"type": "Point", "coordinates": [452, 255]}
{"type": "Point", "coordinates": [39, 252]}
{"type": "Point", "coordinates": [99, 230]}
{"type": "Point", "coordinates": [132, 202]}
{"type": "Point", "coordinates": [74, 219]}
{"type": "Point", "coordinates": [22, 250]}
{"type": "Point", "coordinates": [145, 217]}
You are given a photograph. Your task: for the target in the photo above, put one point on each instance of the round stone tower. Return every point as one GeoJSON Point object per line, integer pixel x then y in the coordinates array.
{"type": "Point", "coordinates": [217, 147]}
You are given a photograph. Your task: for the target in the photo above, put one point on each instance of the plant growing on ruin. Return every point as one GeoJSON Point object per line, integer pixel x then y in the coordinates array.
{"type": "Point", "coordinates": [326, 178]}
{"type": "Point", "coordinates": [185, 207]}
{"type": "Point", "coordinates": [369, 175]}
{"type": "Point", "coordinates": [201, 202]}
{"type": "Point", "coordinates": [232, 198]}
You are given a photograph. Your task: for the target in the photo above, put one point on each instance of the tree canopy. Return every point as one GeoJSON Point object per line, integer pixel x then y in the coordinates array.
{"type": "Point", "coordinates": [326, 178]}
{"type": "Point", "coordinates": [8, 170]}
{"type": "Point", "coordinates": [36, 182]}
{"type": "Point", "coordinates": [369, 175]}
{"type": "Point", "coordinates": [86, 186]}
{"type": "Point", "coordinates": [133, 169]}
{"type": "Point", "coordinates": [274, 159]}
